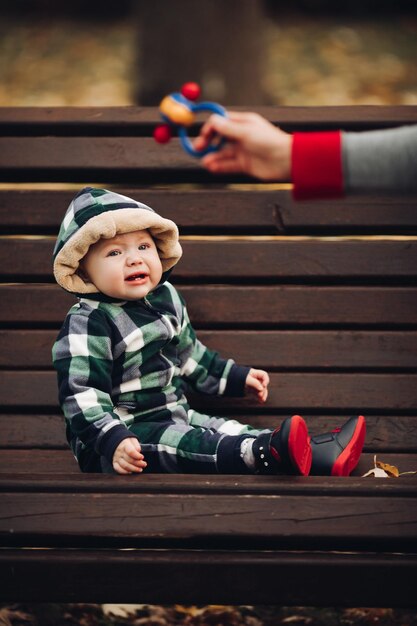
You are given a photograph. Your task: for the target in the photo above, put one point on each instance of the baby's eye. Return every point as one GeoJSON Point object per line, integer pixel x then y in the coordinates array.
{"type": "Point", "coordinates": [113, 253]}
{"type": "Point", "coordinates": [143, 246]}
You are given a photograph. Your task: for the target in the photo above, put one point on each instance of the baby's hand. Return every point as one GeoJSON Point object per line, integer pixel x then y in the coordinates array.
{"type": "Point", "coordinates": [128, 458]}
{"type": "Point", "coordinates": [257, 382]}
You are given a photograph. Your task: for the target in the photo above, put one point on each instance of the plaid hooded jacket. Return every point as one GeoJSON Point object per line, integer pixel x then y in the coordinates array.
{"type": "Point", "coordinates": [120, 362]}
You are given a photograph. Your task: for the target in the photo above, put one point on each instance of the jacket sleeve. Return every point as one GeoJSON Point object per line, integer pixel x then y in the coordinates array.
{"type": "Point", "coordinates": [380, 160]}
{"type": "Point", "coordinates": [82, 356]}
{"type": "Point", "coordinates": [204, 370]}
{"type": "Point", "coordinates": [330, 164]}
{"type": "Point", "coordinates": [316, 165]}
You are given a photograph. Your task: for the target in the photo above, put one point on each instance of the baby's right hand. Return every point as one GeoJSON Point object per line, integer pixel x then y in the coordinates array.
{"type": "Point", "coordinates": [128, 458]}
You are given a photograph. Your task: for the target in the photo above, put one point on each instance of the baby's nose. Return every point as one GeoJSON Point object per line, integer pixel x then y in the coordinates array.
{"type": "Point", "coordinates": [134, 257]}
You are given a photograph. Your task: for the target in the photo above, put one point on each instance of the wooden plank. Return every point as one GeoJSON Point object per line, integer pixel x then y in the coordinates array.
{"type": "Point", "coordinates": [101, 120]}
{"type": "Point", "coordinates": [205, 210]}
{"type": "Point", "coordinates": [32, 431]}
{"type": "Point", "coordinates": [214, 577]}
{"type": "Point", "coordinates": [296, 392]}
{"type": "Point", "coordinates": [110, 159]}
{"type": "Point", "coordinates": [198, 577]}
{"type": "Point", "coordinates": [384, 433]}
{"type": "Point", "coordinates": [204, 484]}
{"type": "Point", "coordinates": [275, 349]}
{"type": "Point", "coordinates": [95, 155]}
{"type": "Point", "coordinates": [298, 305]}
{"type": "Point", "coordinates": [276, 259]}
{"type": "Point", "coordinates": [288, 305]}
{"type": "Point", "coordinates": [359, 350]}
{"type": "Point", "coordinates": [52, 462]}
{"type": "Point", "coordinates": [225, 211]}
{"type": "Point", "coordinates": [183, 520]}
{"type": "Point", "coordinates": [38, 461]}
{"type": "Point", "coordinates": [355, 214]}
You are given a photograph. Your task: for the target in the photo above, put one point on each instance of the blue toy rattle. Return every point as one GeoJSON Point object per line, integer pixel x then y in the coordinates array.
{"type": "Point", "coordinates": [178, 111]}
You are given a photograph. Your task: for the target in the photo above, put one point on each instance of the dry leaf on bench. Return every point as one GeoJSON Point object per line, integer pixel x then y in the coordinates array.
{"type": "Point", "coordinates": [377, 472]}
{"type": "Point", "coordinates": [382, 470]}
{"type": "Point", "coordinates": [391, 470]}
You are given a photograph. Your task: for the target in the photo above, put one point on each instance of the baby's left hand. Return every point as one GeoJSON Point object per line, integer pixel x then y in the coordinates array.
{"type": "Point", "coordinates": [257, 382]}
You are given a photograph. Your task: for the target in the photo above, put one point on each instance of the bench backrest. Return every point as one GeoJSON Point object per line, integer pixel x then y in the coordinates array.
{"type": "Point", "coordinates": [321, 294]}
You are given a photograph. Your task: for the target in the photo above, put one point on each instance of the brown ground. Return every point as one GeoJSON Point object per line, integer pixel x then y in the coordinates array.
{"type": "Point", "coordinates": [309, 60]}
{"type": "Point", "coordinates": [143, 615]}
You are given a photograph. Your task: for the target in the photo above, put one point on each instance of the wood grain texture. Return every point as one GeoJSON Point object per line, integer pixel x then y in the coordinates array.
{"type": "Point", "coordinates": [288, 391]}
{"type": "Point", "coordinates": [225, 211]}
{"type": "Point", "coordinates": [360, 350]}
{"type": "Point", "coordinates": [52, 462]}
{"type": "Point", "coordinates": [385, 434]}
{"type": "Point", "coordinates": [184, 520]}
{"type": "Point", "coordinates": [286, 305]}
{"type": "Point", "coordinates": [94, 119]}
{"type": "Point", "coordinates": [246, 260]}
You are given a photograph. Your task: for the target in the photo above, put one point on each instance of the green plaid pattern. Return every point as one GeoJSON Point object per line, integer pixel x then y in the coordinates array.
{"type": "Point", "coordinates": [123, 370]}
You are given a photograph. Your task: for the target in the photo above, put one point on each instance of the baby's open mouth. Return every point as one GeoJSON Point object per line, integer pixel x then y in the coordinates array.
{"type": "Point", "coordinates": [139, 276]}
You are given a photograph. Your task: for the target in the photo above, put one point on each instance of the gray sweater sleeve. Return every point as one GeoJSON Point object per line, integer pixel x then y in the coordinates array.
{"type": "Point", "coordinates": [380, 160]}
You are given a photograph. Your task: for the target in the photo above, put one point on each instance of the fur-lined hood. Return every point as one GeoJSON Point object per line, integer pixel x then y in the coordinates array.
{"type": "Point", "coordinates": [100, 214]}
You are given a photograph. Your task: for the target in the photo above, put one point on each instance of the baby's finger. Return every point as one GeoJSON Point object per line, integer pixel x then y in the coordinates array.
{"type": "Point", "coordinates": [130, 467]}
{"type": "Point", "coordinates": [118, 468]}
{"type": "Point", "coordinates": [132, 448]}
{"type": "Point", "coordinates": [264, 395]}
{"type": "Point", "coordinates": [138, 462]}
{"type": "Point", "coordinates": [256, 384]}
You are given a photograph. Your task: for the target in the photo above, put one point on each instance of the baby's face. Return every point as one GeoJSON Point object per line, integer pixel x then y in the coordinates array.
{"type": "Point", "coordinates": [125, 267]}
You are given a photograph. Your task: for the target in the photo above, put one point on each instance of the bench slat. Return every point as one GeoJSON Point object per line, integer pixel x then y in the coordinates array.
{"type": "Point", "coordinates": [384, 434]}
{"type": "Point", "coordinates": [108, 159]}
{"type": "Point", "coordinates": [273, 259]}
{"type": "Point", "coordinates": [225, 211]}
{"type": "Point", "coordinates": [187, 484]}
{"type": "Point", "coordinates": [184, 520]}
{"type": "Point", "coordinates": [288, 391]}
{"type": "Point", "coordinates": [51, 462]}
{"type": "Point", "coordinates": [287, 305]}
{"type": "Point", "coordinates": [214, 577]}
{"type": "Point", "coordinates": [196, 211]}
{"type": "Point", "coordinates": [134, 119]}
{"type": "Point", "coordinates": [280, 349]}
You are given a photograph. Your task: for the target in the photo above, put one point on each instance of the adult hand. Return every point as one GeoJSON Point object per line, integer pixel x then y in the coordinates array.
{"type": "Point", "coordinates": [255, 147]}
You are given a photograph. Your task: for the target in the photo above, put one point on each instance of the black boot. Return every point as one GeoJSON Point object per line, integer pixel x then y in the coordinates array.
{"type": "Point", "coordinates": [285, 450]}
{"type": "Point", "coordinates": [337, 453]}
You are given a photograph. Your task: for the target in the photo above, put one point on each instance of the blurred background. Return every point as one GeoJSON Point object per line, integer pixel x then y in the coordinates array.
{"type": "Point", "coordinates": [242, 52]}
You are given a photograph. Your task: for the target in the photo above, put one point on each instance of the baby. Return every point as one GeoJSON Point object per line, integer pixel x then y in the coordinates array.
{"type": "Point", "coordinates": [127, 353]}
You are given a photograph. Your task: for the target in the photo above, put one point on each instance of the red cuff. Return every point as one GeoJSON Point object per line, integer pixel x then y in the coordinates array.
{"type": "Point", "coordinates": [316, 168]}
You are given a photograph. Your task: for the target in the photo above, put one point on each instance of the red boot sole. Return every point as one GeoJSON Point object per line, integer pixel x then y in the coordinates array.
{"type": "Point", "coordinates": [348, 460]}
{"type": "Point", "coordinates": [299, 448]}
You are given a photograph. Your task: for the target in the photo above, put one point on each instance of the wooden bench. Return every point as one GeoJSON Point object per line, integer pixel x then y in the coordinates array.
{"type": "Point", "coordinates": [323, 295]}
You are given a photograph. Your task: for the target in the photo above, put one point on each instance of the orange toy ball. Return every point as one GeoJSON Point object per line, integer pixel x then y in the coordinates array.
{"type": "Point", "coordinates": [162, 134]}
{"type": "Point", "coordinates": [191, 91]}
